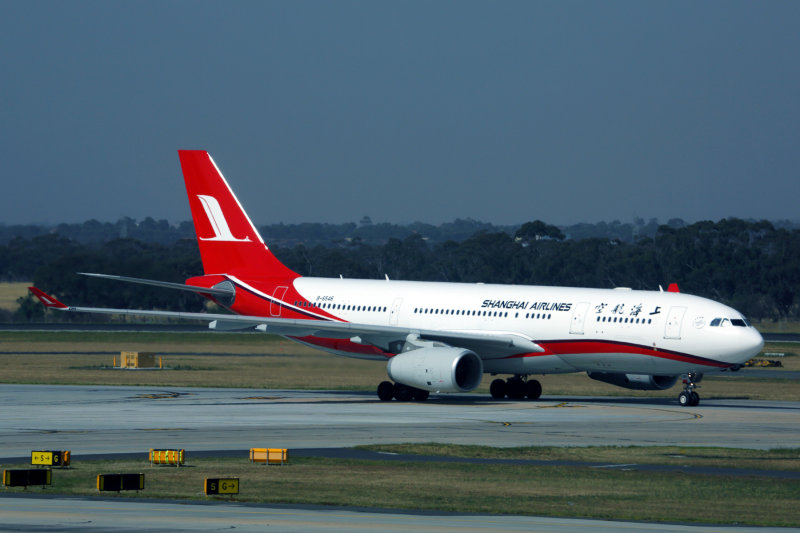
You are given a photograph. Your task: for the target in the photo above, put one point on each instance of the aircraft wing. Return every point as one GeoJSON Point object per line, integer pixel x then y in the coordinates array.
{"type": "Point", "coordinates": [167, 284]}
{"type": "Point", "coordinates": [485, 344]}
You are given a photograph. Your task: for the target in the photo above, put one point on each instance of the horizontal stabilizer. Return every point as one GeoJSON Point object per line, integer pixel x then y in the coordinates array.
{"type": "Point", "coordinates": [180, 286]}
{"type": "Point", "coordinates": [224, 325]}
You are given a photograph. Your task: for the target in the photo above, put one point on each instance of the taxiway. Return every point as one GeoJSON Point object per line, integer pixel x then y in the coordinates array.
{"type": "Point", "coordinates": [99, 419]}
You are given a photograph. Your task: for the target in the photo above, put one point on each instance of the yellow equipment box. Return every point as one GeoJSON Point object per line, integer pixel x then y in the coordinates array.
{"type": "Point", "coordinates": [270, 456]}
{"type": "Point", "coordinates": [138, 360]}
{"type": "Point", "coordinates": [167, 457]}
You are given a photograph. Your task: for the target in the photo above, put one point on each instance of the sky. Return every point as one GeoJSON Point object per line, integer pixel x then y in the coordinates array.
{"type": "Point", "coordinates": [320, 111]}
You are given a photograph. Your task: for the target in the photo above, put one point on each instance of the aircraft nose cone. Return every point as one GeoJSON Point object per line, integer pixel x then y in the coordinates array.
{"type": "Point", "coordinates": [756, 342]}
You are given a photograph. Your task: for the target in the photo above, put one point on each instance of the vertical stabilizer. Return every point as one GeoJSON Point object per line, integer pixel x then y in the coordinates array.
{"type": "Point", "coordinates": [229, 242]}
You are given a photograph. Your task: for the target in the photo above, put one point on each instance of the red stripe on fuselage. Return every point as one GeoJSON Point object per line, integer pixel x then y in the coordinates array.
{"type": "Point", "coordinates": [592, 346]}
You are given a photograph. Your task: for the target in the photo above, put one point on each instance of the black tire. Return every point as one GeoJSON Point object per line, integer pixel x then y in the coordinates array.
{"type": "Point", "coordinates": [403, 393]}
{"type": "Point", "coordinates": [533, 389]}
{"type": "Point", "coordinates": [421, 395]}
{"type": "Point", "coordinates": [385, 391]}
{"type": "Point", "coordinates": [685, 399]}
{"type": "Point", "coordinates": [498, 389]}
{"type": "Point", "coordinates": [515, 388]}
{"type": "Point", "coordinates": [695, 399]}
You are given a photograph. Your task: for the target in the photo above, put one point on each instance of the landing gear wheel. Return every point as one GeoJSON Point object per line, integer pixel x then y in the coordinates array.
{"type": "Point", "coordinates": [695, 398]}
{"type": "Point", "coordinates": [685, 398]}
{"type": "Point", "coordinates": [385, 391]}
{"type": "Point", "coordinates": [403, 393]}
{"type": "Point", "coordinates": [688, 397]}
{"type": "Point", "coordinates": [515, 388]}
{"type": "Point", "coordinates": [533, 389]}
{"type": "Point", "coordinates": [498, 389]}
{"type": "Point", "coordinates": [420, 395]}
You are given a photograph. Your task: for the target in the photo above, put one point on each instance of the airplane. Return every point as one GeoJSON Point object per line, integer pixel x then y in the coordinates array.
{"type": "Point", "coordinates": [443, 337]}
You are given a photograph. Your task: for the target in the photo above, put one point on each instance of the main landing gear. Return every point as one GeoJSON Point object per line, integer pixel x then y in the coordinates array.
{"type": "Point", "coordinates": [688, 397]}
{"type": "Point", "coordinates": [516, 388]}
{"type": "Point", "coordinates": [402, 393]}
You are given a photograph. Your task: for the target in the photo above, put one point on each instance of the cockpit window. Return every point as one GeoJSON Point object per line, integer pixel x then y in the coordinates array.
{"type": "Point", "coordinates": [741, 322]}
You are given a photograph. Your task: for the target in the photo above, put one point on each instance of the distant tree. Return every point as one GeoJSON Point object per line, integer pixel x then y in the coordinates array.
{"type": "Point", "coordinates": [538, 230]}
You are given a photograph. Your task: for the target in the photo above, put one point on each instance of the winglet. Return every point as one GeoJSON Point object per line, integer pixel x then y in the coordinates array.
{"type": "Point", "coordinates": [46, 299]}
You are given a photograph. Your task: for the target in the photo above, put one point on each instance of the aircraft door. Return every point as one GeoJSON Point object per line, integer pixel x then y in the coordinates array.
{"type": "Point", "coordinates": [578, 318]}
{"type": "Point", "coordinates": [674, 320]}
{"type": "Point", "coordinates": [275, 306]}
{"type": "Point", "coordinates": [395, 311]}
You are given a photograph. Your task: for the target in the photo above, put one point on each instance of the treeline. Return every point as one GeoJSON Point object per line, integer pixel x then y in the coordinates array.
{"type": "Point", "coordinates": [308, 234]}
{"type": "Point", "coordinates": [752, 266]}
{"type": "Point", "coordinates": [312, 234]}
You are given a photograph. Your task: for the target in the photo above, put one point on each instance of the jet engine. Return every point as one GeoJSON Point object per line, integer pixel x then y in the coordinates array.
{"type": "Point", "coordinates": [635, 381]}
{"type": "Point", "coordinates": [437, 369]}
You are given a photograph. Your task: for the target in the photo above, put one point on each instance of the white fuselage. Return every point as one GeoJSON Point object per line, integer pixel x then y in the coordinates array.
{"type": "Point", "coordinates": [593, 330]}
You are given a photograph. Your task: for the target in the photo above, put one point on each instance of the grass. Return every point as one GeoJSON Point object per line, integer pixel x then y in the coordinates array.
{"type": "Point", "coordinates": [467, 488]}
{"type": "Point", "coordinates": [777, 459]}
{"type": "Point", "coordinates": [254, 361]}
{"type": "Point", "coordinates": [266, 361]}
{"type": "Point", "coordinates": [777, 326]}
{"type": "Point", "coordinates": [9, 292]}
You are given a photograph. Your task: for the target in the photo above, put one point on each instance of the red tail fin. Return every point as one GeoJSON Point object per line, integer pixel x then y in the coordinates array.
{"type": "Point", "coordinates": [46, 299]}
{"type": "Point", "coordinates": [229, 242]}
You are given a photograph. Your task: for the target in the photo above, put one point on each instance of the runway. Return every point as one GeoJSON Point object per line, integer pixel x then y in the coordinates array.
{"type": "Point", "coordinates": [101, 419]}
{"type": "Point", "coordinates": [90, 420]}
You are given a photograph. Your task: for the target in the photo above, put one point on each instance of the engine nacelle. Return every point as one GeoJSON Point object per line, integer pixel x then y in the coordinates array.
{"type": "Point", "coordinates": [635, 381]}
{"type": "Point", "coordinates": [437, 369]}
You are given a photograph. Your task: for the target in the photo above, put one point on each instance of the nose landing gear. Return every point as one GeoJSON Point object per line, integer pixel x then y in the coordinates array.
{"type": "Point", "coordinates": [688, 397]}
